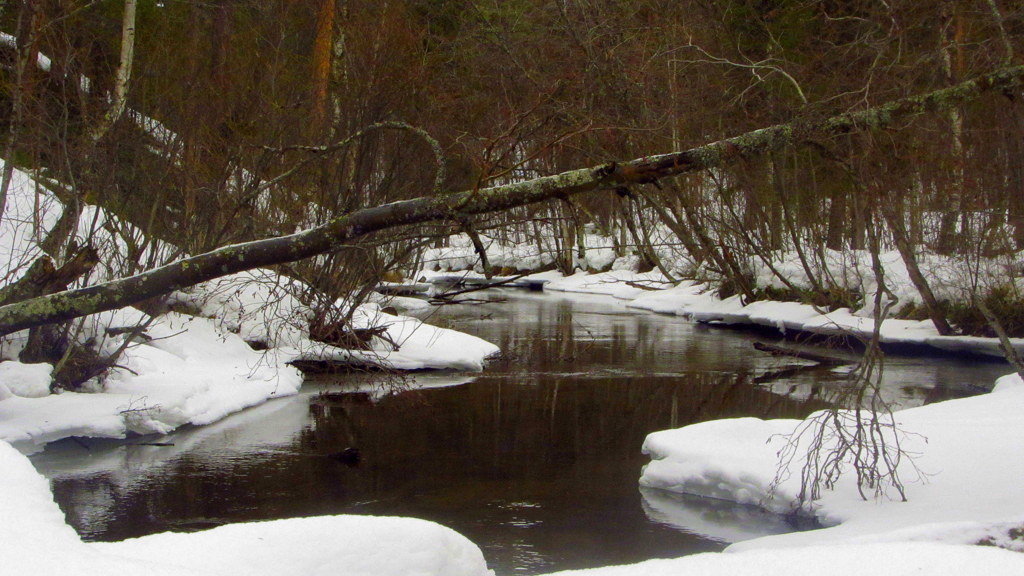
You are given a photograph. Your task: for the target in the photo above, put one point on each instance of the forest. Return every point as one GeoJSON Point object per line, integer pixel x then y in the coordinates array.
{"type": "Point", "coordinates": [269, 117]}
{"type": "Point", "coordinates": [204, 205]}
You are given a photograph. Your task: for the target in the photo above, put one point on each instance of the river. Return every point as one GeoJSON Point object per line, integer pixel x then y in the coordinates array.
{"type": "Point", "coordinates": [536, 460]}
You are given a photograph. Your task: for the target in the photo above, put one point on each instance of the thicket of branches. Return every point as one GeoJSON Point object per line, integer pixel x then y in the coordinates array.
{"type": "Point", "coordinates": [246, 119]}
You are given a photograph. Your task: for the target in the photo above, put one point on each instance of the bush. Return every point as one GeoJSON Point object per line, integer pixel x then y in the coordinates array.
{"type": "Point", "coordinates": [829, 299]}
{"type": "Point", "coordinates": [1005, 303]}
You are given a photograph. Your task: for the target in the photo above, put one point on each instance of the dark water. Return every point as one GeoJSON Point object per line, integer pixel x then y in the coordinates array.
{"type": "Point", "coordinates": [536, 460]}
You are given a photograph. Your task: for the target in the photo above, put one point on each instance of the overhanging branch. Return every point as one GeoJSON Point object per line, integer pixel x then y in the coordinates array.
{"type": "Point", "coordinates": [71, 304]}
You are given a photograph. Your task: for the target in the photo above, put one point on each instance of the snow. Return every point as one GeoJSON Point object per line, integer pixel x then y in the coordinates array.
{"type": "Point", "coordinates": [196, 370]}
{"type": "Point", "coordinates": [710, 459]}
{"type": "Point", "coordinates": [24, 380]}
{"type": "Point", "coordinates": [889, 559]}
{"type": "Point", "coordinates": [35, 540]}
{"type": "Point", "coordinates": [358, 545]}
{"type": "Point", "coordinates": [262, 307]}
{"type": "Point", "coordinates": [698, 303]}
{"type": "Point", "coordinates": [964, 469]}
{"type": "Point", "coordinates": [623, 284]}
{"type": "Point", "coordinates": [191, 372]}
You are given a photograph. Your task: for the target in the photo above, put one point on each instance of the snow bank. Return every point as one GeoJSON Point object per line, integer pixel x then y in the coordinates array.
{"type": "Point", "coordinates": [731, 460]}
{"type": "Point", "coordinates": [696, 301]}
{"type": "Point", "coordinates": [196, 370]}
{"type": "Point", "coordinates": [190, 372]}
{"type": "Point", "coordinates": [35, 540]}
{"type": "Point", "coordinates": [623, 284]}
{"type": "Point", "coordinates": [967, 472]}
{"type": "Point", "coordinates": [950, 278]}
{"type": "Point", "coordinates": [262, 307]}
{"type": "Point", "coordinates": [329, 545]}
{"type": "Point", "coordinates": [889, 559]}
{"type": "Point", "coordinates": [25, 380]}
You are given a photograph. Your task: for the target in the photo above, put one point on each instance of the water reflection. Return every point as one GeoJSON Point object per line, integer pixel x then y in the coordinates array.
{"type": "Point", "coordinates": [535, 460]}
{"type": "Point", "coordinates": [718, 520]}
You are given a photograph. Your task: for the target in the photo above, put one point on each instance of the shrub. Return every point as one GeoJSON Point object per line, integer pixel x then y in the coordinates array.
{"type": "Point", "coordinates": [1005, 303]}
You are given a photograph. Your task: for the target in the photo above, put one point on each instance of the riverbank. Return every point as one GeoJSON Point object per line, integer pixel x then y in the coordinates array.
{"type": "Point", "coordinates": [894, 556]}
{"type": "Point", "coordinates": [700, 303]}
{"type": "Point", "coordinates": [237, 349]}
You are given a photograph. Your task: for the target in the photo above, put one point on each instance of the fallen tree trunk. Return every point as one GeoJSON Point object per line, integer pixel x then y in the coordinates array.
{"type": "Point", "coordinates": [456, 206]}
{"type": "Point", "coordinates": [42, 277]}
{"type": "Point", "coordinates": [801, 354]}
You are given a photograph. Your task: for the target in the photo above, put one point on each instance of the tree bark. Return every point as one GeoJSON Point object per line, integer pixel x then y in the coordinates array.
{"type": "Point", "coordinates": [903, 246]}
{"type": "Point", "coordinates": [343, 230]}
{"type": "Point", "coordinates": [124, 73]}
{"type": "Point", "coordinates": [26, 54]}
{"type": "Point", "coordinates": [323, 51]}
{"type": "Point", "coordinates": [478, 247]}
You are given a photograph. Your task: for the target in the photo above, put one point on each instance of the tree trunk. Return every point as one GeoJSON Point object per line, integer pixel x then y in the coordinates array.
{"type": "Point", "coordinates": [903, 246]}
{"type": "Point", "coordinates": [323, 50]}
{"type": "Point", "coordinates": [124, 74]}
{"type": "Point", "coordinates": [478, 247]}
{"type": "Point", "coordinates": [27, 53]}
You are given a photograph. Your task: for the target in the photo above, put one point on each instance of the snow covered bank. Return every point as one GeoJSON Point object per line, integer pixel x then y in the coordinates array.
{"type": "Point", "coordinates": [864, 560]}
{"type": "Point", "coordinates": [952, 279]}
{"type": "Point", "coordinates": [35, 540]}
{"type": "Point", "coordinates": [621, 283]}
{"type": "Point", "coordinates": [410, 344]}
{"type": "Point", "coordinates": [196, 370]}
{"type": "Point", "coordinates": [190, 372]}
{"type": "Point", "coordinates": [966, 450]}
{"type": "Point", "coordinates": [262, 308]}
{"type": "Point", "coordinates": [699, 302]}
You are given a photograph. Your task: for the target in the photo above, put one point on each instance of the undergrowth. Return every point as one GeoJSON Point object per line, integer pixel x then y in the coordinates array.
{"type": "Point", "coordinates": [1005, 303]}
{"type": "Point", "coordinates": [829, 299]}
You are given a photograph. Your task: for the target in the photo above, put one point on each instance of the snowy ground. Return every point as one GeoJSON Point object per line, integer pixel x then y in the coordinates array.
{"type": "Point", "coordinates": [856, 560]}
{"type": "Point", "coordinates": [962, 473]}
